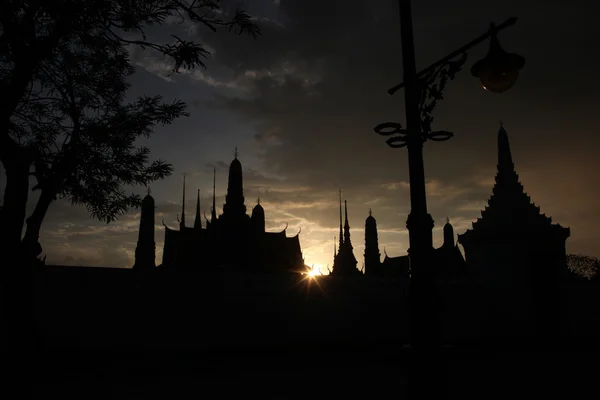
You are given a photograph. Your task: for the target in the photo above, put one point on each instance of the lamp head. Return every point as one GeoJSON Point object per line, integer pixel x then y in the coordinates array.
{"type": "Point", "coordinates": [498, 70]}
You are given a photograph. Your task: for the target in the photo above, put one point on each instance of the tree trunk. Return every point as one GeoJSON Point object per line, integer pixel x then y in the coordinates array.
{"type": "Point", "coordinates": [30, 241]}
{"type": "Point", "coordinates": [15, 201]}
{"type": "Point", "coordinates": [17, 279]}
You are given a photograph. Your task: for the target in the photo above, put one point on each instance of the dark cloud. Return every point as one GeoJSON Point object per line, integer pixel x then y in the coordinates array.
{"type": "Point", "coordinates": [301, 102]}
{"type": "Point", "coordinates": [317, 87]}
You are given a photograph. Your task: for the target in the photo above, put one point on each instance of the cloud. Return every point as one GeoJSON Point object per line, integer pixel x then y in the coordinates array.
{"type": "Point", "coordinates": [303, 100]}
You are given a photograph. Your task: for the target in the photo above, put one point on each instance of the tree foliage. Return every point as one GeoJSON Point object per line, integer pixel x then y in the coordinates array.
{"type": "Point", "coordinates": [585, 266]}
{"type": "Point", "coordinates": [63, 70]}
{"type": "Point", "coordinates": [85, 147]}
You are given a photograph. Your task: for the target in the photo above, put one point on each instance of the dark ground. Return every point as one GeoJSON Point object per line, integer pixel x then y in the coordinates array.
{"type": "Point", "coordinates": [313, 374]}
{"type": "Point", "coordinates": [106, 334]}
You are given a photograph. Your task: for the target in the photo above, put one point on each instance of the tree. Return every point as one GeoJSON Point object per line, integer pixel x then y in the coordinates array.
{"type": "Point", "coordinates": [585, 266]}
{"type": "Point", "coordinates": [85, 147]}
{"type": "Point", "coordinates": [34, 34]}
{"type": "Point", "coordinates": [75, 135]}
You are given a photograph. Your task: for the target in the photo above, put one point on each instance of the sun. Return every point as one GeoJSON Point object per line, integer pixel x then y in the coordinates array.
{"type": "Point", "coordinates": [315, 270]}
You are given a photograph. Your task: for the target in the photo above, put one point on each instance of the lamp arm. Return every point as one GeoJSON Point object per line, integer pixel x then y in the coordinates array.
{"type": "Point", "coordinates": [431, 87]}
{"type": "Point", "coordinates": [454, 54]}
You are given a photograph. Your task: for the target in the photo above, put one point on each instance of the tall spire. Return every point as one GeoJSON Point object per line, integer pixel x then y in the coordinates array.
{"type": "Point", "coordinates": [448, 234]}
{"type": "Point", "coordinates": [234, 208]}
{"type": "Point", "coordinates": [213, 212]}
{"type": "Point", "coordinates": [146, 247]}
{"type": "Point", "coordinates": [372, 258]}
{"type": "Point", "coordinates": [198, 220]}
{"type": "Point", "coordinates": [510, 208]}
{"type": "Point", "coordinates": [182, 221]}
{"type": "Point", "coordinates": [345, 262]}
{"type": "Point", "coordinates": [341, 230]}
{"type": "Point", "coordinates": [334, 249]}
{"type": "Point", "coordinates": [505, 162]}
{"type": "Point", "coordinates": [346, 226]}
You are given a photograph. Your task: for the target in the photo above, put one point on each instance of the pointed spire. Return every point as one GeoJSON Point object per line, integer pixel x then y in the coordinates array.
{"type": "Point", "coordinates": [182, 221]}
{"type": "Point", "coordinates": [347, 242]}
{"type": "Point", "coordinates": [146, 246]}
{"type": "Point", "coordinates": [505, 162]}
{"type": "Point", "coordinates": [346, 225]}
{"type": "Point", "coordinates": [235, 153]}
{"type": "Point", "coordinates": [258, 200]}
{"type": "Point", "coordinates": [341, 229]}
{"type": "Point", "coordinates": [198, 220]}
{"type": "Point", "coordinates": [334, 249]}
{"type": "Point", "coordinates": [448, 234]}
{"type": "Point", "coordinates": [234, 208]}
{"type": "Point", "coordinates": [148, 190]}
{"type": "Point", "coordinates": [213, 212]}
{"type": "Point", "coordinates": [370, 212]}
{"type": "Point", "coordinates": [372, 257]}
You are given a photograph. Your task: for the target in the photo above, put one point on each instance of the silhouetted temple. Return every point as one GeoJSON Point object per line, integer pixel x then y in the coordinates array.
{"type": "Point", "coordinates": [232, 239]}
{"type": "Point", "coordinates": [145, 251]}
{"type": "Point", "coordinates": [372, 254]}
{"type": "Point", "coordinates": [450, 263]}
{"type": "Point", "coordinates": [344, 262]}
{"type": "Point", "coordinates": [518, 253]}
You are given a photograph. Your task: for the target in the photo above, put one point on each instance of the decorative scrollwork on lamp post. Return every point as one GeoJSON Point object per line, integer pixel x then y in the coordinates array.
{"type": "Point", "coordinates": [431, 86]}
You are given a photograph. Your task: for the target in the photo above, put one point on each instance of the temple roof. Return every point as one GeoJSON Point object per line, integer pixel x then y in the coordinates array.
{"type": "Point", "coordinates": [148, 199]}
{"type": "Point", "coordinates": [398, 266]}
{"type": "Point", "coordinates": [509, 210]}
{"type": "Point", "coordinates": [258, 209]}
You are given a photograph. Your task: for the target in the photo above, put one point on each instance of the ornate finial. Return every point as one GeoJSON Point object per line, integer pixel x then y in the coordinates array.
{"type": "Point", "coordinates": [235, 154]}
{"type": "Point", "coordinates": [370, 212]}
{"type": "Point", "coordinates": [258, 200]}
{"type": "Point", "coordinates": [447, 220]}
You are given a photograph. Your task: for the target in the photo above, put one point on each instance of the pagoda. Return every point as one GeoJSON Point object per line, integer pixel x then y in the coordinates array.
{"type": "Point", "coordinates": [518, 254]}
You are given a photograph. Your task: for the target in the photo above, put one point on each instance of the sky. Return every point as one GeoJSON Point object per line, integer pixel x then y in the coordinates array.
{"type": "Point", "coordinates": [300, 103]}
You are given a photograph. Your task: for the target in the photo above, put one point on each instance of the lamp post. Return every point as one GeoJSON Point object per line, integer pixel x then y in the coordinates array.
{"type": "Point", "coordinates": [497, 71]}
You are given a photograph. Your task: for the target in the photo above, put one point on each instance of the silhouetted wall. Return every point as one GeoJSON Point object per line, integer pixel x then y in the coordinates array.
{"type": "Point", "coordinates": [114, 308]}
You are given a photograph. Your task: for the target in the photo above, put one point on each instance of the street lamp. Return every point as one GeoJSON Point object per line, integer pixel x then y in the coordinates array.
{"type": "Point", "coordinates": [497, 71]}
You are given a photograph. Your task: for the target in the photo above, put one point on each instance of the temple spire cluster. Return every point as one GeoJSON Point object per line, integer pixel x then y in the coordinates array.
{"type": "Point", "coordinates": [344, 263]}
{"type": "Point", "coordinates": [232, 239]}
